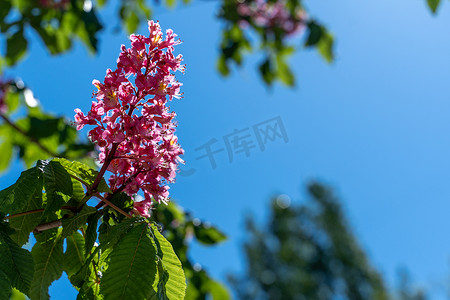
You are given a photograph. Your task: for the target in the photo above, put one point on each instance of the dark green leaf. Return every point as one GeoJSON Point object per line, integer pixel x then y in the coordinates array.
{"type": "Point", "coordinates": [16, 263]}
{"type": "Point", "coordinates": [5, 286]}
{"type": "Point", "coordinates": [57, 184]}
{"type": "Point", "coordinates": [24, 225]}
{"type": "Point", "coordinates": [74, 223]}
{"type": "Point", "coordinates": [16, 47]}
{"type": "Point", "coordinates": [267, 71]}
{"type": "Point", "coordinates": [43, 127]}
{"type": "Point", "coordinates": [208, 235]}
{"type": "Point", "coordinates": [14, 198]}
{"type": "Point", "coordinates": [91, 231]}
{"type": "Point", "coordinates": [48, 259]}
{"type": "Point", "coordinates": [123, 201]}
{"type": "Point", "coordinates": [74, 257]}
{"type": "Point", "coordinates": [315, 33]}
{"type": "Point", "coordinates": [132, 266]}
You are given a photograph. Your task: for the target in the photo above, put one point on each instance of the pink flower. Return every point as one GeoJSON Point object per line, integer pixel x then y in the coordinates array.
{"type": "Point", "coordinates": [271, 16]}
{"type": "Point", "coordinates": [3, 91]}
{"type": "Point", "coordinates": [134, 126]}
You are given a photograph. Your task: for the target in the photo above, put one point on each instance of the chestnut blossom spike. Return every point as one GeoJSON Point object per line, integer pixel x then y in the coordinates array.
{"type": "Point", "coordinates": [271, 15]}
{"type": "Point", "coordinates": [134, 127]}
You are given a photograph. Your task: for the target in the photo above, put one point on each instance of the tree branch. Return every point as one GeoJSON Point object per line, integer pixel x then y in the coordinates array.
{"type": "Point", "coordinates": [47, 226]}
{"type": "Point", "coordinates": [112, 205]}
{"type": "Point", "coordinates": [21, 214]}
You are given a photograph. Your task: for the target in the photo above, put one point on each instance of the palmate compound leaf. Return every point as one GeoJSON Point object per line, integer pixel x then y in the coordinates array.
{"type": "Point", "coordinates": [15, 262]}
{"type": "Point", "coordinates": [15, 197]}
{"type": "Point", "coordinates": [175, 285]}
{"type": "Point", "coordinates": [48, 259]}
{"type": "Point", "coordinates": [132, 266]}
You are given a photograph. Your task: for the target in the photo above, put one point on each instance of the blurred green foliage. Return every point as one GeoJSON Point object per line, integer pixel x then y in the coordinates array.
{"type": "Point", "coordinates": [59, 22]}
{"type": "Point", "coordinates": [308, 251]}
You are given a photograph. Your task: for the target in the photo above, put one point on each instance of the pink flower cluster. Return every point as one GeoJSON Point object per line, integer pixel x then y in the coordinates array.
{"type": "Point", "coordinates": [271, 15]}
{"type": "Point", "coordinates": [134, 127]}
{"type": "Point", "coordinates": [54, 4]}
{"type": "Point", "coordinates": [3, 90]}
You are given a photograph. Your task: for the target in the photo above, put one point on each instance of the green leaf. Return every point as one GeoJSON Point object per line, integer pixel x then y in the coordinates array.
{"type": "Point", "coordinates": [208, 235]}
{"type": "Point", "coordinates": [6, 150]}
{"type": "Point", "coordinates": [217, 290]}
{"type": "Point", "coordinates": [222, 66]}
{"type": "Point", "coordinates": [175, 286]}
{"type": "Point", "coordinates": [16, 295]}
{"type": "Point", "coordinates": [132, 21]}
{"type": "Point", "coordinates": [91, 231]}
{"type": "Point", "coordinates": [88, 29]}
{"type": "Point", "coordinates": [315, 34]}
{"type": "Point", "coordinates": [57, 184]}
{"type": "Point", "coordinates": [78, 190]}
{"type": "Point", "coordinates": [325, 47]}
{"type": "Point", "coordinates": [132, 266]}
{"type": "Point", "coordinates": [74, 257]}
{"type": "Point", "coordinates": [433, 5]}
{"type": "Point", "coordinates": [16, 47]}
{"type": "Point", "coordinates": [123, 201]}
{"type": "Point", "coordinates": [267, 72]}
{"type": "Point", "coordinates": [109, 236]}
{"type": "Point", "coordinates": [24, 225]}
{"type": "Point", "coordinates": [48, 259]}
{"type": "Point", "coordinates": [14, 198]}
{"type": "Point", "coordinates": [84, 173]}
{"type": "Point", "coordinates": [101, 3]}
{"type": "Point", "coordinates": [12, 100]}
{"type": "Point", "coordinates": [74, 223]}
{"type": "Point", "coordinates": [90, 290]}
{"type": "Point", "coordinates": [16, 263]}
{"type": "Point", "coordinates": [43, 127]}
{"type": "Point", "coordinates": [5, 286]}
{"type": "Point", "coordinates": [170, 3]}
{"type": "Point", "coordinates": [285, 74]}
{"type": "Point", "coordinates": [79, 170]}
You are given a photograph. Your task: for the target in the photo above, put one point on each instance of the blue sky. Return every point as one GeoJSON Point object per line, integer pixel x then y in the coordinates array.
{"type": "Point", "coordinates": [374, 125]}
